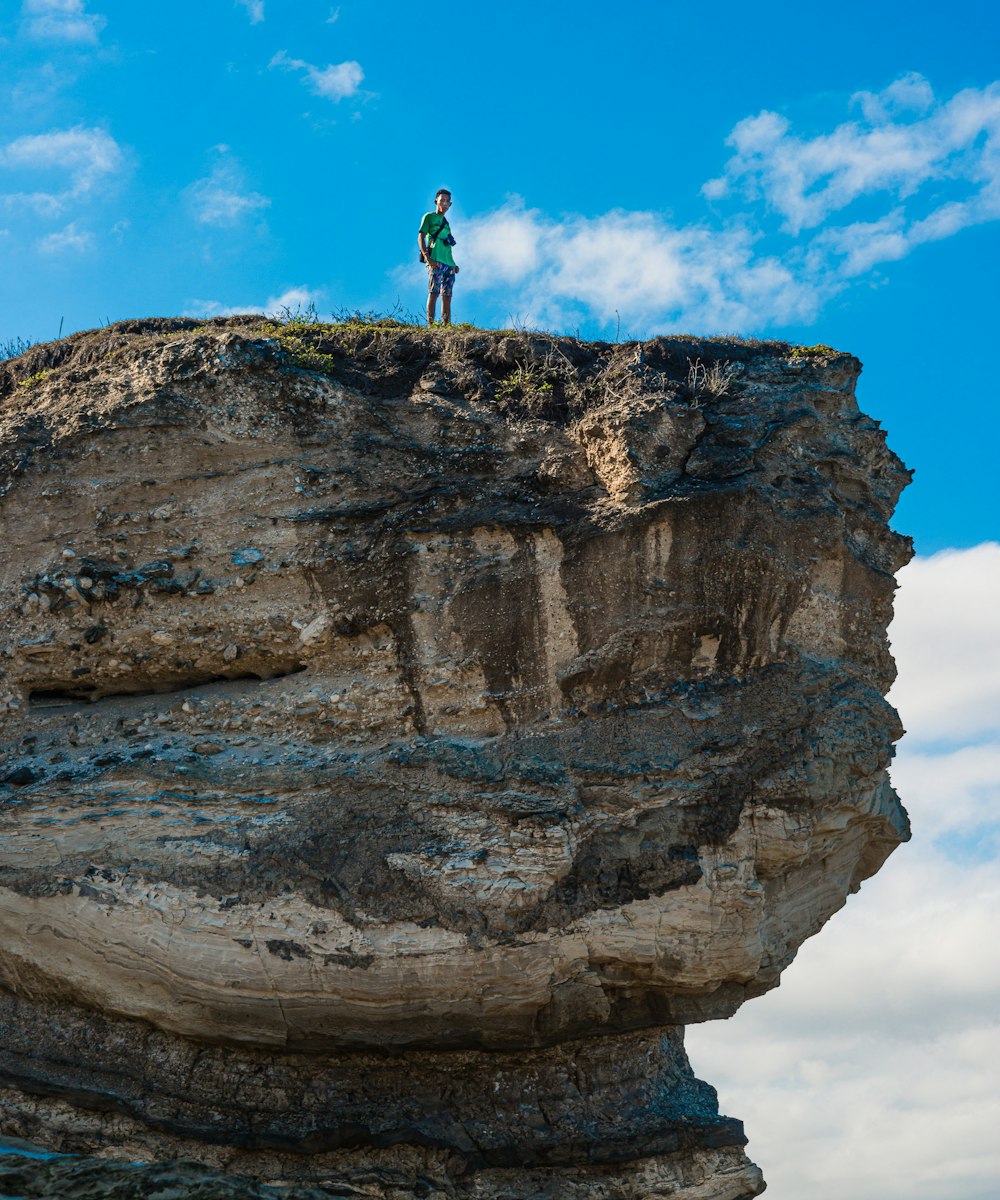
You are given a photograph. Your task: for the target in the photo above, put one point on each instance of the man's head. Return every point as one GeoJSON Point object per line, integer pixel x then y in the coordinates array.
{"type": "Point", "coordinates": [442, 200]}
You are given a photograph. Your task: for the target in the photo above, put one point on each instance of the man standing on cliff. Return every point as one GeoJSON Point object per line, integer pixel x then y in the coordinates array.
{"type": "Point", "coordinates": [435, 241]}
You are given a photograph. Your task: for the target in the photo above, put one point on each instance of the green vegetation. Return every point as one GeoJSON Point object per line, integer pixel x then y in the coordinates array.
{"type": "Point", "coordinates": [314, 344]}
{"type": "Point", "coordinates": [524, 382]}
{"type": "Point", "coordinates": [33, 380]}
{"type": "Point", "coordinates": [818, 351]}
{"type": "Point", "coordinates": [300, 349]}
{"type": "Point", "coordinates": [305, 338]}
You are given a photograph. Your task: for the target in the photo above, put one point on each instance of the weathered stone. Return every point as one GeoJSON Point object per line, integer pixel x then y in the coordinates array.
{"type": "Point", "coordinates": [207, 748]}
{"type": "Point", "coordinates": [549, 720]}
{"type": "Point", "coordinates": [22, 776]}
{"type": "Point", "coordinates": [27, 1172]}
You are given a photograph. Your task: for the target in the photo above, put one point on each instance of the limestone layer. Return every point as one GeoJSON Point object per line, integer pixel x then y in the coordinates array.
{"type": "Point", "coordinates": [407, 733]}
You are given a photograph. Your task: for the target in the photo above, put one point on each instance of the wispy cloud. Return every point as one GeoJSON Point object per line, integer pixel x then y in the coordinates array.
{"type": "Point", "coordinates": [254, 8]}
{"type": "Point", "coordinates": [82, 160]}
{"type": "Point", "coordinates": [338, 81]}
{"type": "Point", "coordinates": [61, 21]}
{"type": "Point", "coordinates": [910, 170]}
{"type": "Point", "coordinates": [222, 197]}
{"type": "Point", "coordinates": [905, 140]}
{"type": "Point", "coordinates": [70, 240]}
{"type": "Point", "coordinates": [293, 299]}
{"type": "Point", "coordinates": [879, 1047]}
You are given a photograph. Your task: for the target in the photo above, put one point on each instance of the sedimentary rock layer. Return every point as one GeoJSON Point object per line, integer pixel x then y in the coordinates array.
{"type": "Point", "coordinates": [408, 732]}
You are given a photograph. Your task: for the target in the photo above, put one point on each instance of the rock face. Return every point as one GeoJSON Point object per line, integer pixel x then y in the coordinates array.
{"type": "Point", "coordinates": [407, 733]}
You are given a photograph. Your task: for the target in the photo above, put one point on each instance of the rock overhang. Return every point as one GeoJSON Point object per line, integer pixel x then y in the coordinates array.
{"type": "Point", "coordinates": [467, 694]}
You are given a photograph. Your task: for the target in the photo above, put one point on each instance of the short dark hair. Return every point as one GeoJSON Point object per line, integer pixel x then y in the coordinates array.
{"type": "Point", "coordinates": [442, 192]}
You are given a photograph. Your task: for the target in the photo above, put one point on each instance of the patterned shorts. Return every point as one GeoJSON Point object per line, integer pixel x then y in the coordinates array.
{"type": "Point", "coordinates": [441, 278]}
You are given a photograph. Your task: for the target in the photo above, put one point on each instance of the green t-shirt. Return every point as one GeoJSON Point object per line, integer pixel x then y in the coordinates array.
{"type": "Point", "coordinates": [430, 226]}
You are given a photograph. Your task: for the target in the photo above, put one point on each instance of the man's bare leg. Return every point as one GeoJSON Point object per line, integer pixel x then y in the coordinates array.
{"type": "Point", "coordinates": [445, 308]}
{"type": "Point", "coordinates": [431, 302]}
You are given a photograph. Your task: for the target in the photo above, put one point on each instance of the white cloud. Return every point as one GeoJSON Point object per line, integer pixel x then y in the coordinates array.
{"type": "Point", "coordinates": [870, 1072]}
{"type": "Point", "coordinates": [633, 264]}
{"type": "Point", "coordinates": [61, 21]}
{"type": "Point", "coordinates": [70, 239]}
{"type": "Point", "coordinates": [969, 780]}
{"type": "Point", "coordinates": [946, 639]}
{"type": "Point", "coordinates": [85, 158]}
{"type": "Point", "coordinates": [255, 10]}
{"type": "Point", "coordinates": [338, 81]}
{"type": "Point", "coordinates": [859, 247]}
{"type": "Point", "coordinates": [808, 179]}
{"type": "Point", "coordinates": [294, 299]}
{"type": "Point", "coordinates": [502, 246]}
{"type": "Point", "coordinates": [909, 93]}
{"type": "Point", "coordinates": [222, 198]}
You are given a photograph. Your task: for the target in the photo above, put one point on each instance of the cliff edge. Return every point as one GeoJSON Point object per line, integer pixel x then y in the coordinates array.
{"type": "Point", "coordinates": [406, 733]}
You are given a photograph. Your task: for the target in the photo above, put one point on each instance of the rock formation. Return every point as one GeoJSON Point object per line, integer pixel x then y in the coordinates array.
{"type": "Point", "coordinates": [408, 732]}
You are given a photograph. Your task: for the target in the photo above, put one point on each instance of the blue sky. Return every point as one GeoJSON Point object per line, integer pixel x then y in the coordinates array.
{"type": "Point", "coordinates": [792, 170]}
{"type": "Point", "coordinates": [820, 173]}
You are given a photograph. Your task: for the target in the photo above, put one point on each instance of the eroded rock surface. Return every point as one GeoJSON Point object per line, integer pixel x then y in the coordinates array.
{"type": "Point", "coordinates": [407, 733]}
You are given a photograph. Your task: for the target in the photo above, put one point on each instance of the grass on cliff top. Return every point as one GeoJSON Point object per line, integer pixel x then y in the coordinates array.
{"type": "Point", "coordinates": [525, 370]}
{"type": "Point", "coordinates": [305, 323]}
